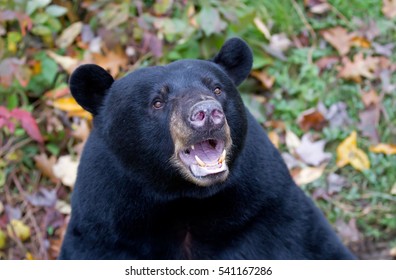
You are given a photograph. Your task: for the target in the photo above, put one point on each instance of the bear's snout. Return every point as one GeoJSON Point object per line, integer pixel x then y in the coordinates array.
{"type": "Point", "coordinates": [207, 115]}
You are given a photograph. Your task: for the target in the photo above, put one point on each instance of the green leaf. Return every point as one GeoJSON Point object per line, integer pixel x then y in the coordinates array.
{"type": "Point", "coordinates": [210, 21]}
{"type": "Point", "coordinates": [53, 148]}
{"type": "Point", "coordinates": [55, 10]}
{"type": "Point", "coordinates": [41, 30]}
{"type": "Point", "coordinates": [33, 5]}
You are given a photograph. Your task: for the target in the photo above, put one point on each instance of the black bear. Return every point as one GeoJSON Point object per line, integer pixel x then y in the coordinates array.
{"type": "Point", "coordinates": [177, 168]}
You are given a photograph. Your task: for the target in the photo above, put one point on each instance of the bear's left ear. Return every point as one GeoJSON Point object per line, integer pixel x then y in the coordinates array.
{"type": "Point", "coordinates": [236, 58]}
{"type": "Point", "coordinates": [89, 84]}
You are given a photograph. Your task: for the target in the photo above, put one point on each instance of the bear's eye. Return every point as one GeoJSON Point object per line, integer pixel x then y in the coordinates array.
{"type": "Point", "coordinates": [158, 104]}
{"type": "Point", "coordinates": [217, 91]}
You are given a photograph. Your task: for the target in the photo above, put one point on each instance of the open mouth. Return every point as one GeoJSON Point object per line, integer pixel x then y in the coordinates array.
{"type": "Point", "coordinates": [205, 158]}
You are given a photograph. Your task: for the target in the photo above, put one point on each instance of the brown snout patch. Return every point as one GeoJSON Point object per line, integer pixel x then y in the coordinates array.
{"type": "Point", "coordinates": [200, 156]}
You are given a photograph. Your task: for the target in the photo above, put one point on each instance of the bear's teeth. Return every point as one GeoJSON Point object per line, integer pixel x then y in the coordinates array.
{"type": "Point", "coordinates": [200, 162]}
{"type": "Point", "coordinates": [192, 147]}
{"type": "Point", "coordinates": [222, 157]}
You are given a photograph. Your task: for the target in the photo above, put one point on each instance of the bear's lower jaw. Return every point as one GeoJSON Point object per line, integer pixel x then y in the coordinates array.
{"type": "Point", "coordinates": [204, 163]}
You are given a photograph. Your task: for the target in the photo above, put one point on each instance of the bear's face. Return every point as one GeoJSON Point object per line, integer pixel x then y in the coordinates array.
{"type": "Point", "coordinates": [185, 119]}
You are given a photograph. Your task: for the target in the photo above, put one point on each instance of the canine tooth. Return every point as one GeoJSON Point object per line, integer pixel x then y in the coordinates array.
{"type": "Point", "coordinates": [192, 147]}
{"type": "Point", "coordinates": [222, 157]}
{"type": "Point", "coordinates": [200, 162]}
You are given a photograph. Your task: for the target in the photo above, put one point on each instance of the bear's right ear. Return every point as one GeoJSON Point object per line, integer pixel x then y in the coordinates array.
{"type": "Point", "coordinates": [88, 85]}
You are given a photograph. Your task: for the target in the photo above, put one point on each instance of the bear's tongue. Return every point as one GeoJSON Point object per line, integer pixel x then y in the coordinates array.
{"type": "Point", "coordinates": [205, 158]}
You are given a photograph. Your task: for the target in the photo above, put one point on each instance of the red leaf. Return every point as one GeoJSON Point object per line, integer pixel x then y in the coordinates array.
{"type": "Point", "coordinates": [5, 116]}
{"type": "Point", "coordinates": [28, 123]}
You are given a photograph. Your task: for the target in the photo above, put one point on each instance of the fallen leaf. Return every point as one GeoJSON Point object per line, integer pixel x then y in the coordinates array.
{"type": "Point", "coordinates": [348, 231]}
{"type": "Point", "coordinates": [360, 42]}
{"type": "Point", "coordinates": [311, 119]}
{"type": "Point", "coordinates": [3, 239]}
{"type": "Point", "coordinates": [66, 62]}
{"type": "Point", "coordinates": [112, 61]}
{"type": "Point", "coordinates": [349, 153]}
{"type": "Point", "coordinates": [308, 174]}
{"type": "Point", "coordinates": [69, 35]}
{"type": "Point", "coordinates": [292, 141]}
{"type": "Point", "coordinates": [28, 123]}
{"type": "Point", "coordinates": [43, 197]}
{"type": "Point", "coordinates": [370, 98]}
{"type": "Point", "coordinates": [369, 120]}
{"type": "Point", "coordinates": [339, 38]}
{"type": "Point", "coordinates": [266, 80]}
{"type": "Point", "coordinates": [367, 29]}
{"type": "Point", "coordinates": [45, 165]}
{"type": "Point", "coordinates": [81, 131]}
{"type": "Point", "coordinates": [66, 170]}
{"type": "Point", "coordinates": [274, 137]}
{"type": "Point", "coordinates": [358, 68]}
{"type": "Point", "coordinates": [389, 8]}
{"type": "Point", "coordinates": [336, 115]}
{"type": "Point", "coordinates": [13, 213]}
{"type": "Point", "coordinates": [317, 6]}
{"type": "Point", "coordinates": [290, 161]}
{"type": "Point", "coordinates": [280, 42]}
{"type": "Point", "coordinates": [388, 149]}
{"type": "Point", "coordinates": [385, 50]}
{"type": "Point", "coordinates": [29, 256]}
{"type": "Point", "coordinates": [325, 63]}
{"type": "Point", "coordinates": [70, 105]}
{"type": "Point", "coordinates": [262, 27]}
{"type": "Point", "coordinates": [335, 183]}
{"type": "Point", "coordinates": [311, 152]}
{"type": "Point", "coordinates": [321, 193]}
{"type": "Point", "coordinates": [17, 229]}
{"type": "Point", "coordinates": [63, 207]}
{"type": "Point", "coordinates": [387, 86]}
{"type": "Point", "coordinates": [393, 190]}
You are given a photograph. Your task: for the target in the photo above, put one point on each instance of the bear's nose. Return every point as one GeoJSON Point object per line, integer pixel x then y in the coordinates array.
{"type": "Point", "coordinates": [207, 114]}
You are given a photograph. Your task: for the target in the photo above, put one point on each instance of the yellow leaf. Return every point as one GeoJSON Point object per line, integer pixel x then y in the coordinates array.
{"type": "Point", "coordinates": [389, 149]}
{"type": "Point", "coordinates": [70, 105]}
{"type": "Point", "coordinates": [18, 229]}
{"type": "Point", "coordinates": [3, 239]}
{"type": "Point", "coordinates": [29, 256]}
{"type": "Point", "coordinates": [359, 160]}
{"type": "Point", "coordinates": [349, 153]}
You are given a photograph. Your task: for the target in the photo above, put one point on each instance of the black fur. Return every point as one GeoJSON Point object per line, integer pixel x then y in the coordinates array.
{"type": "Point", "coordinates": [130, 203]}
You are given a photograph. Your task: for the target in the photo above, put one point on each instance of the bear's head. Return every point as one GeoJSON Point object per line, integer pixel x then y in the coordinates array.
{"type": "Point", "coordinates": [183, 122]}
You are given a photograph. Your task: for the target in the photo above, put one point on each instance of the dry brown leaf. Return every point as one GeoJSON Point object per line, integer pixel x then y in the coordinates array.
{"type": "Point", "coordinates": [266, 80]}
{"type": "Point", "coordinates": [348, 231]}
{"type": "Point", "coordinates": [389, 8]}
{"type": "Point", "coordinates": [339, 38]}
{"type": "Point", "coordinates": [308, 174]}
{"type": "Point", "coordinates": [311, 118]}
{"type": "Point", "coordinates": [292, 141]}
{"type": "Point", "coordinates": [66, 62]}
{"type": "Point", "coordinates": [112, 61]}
{"type": "Point", "coordinates": [274, 137]}
{"type": "Point", "coordinates": [369, 120]}
{"type": "Point", "coordinates": [69, 35]}
{"type": "Point", "coordinates": [370, 98]}
{"type": "Point", "coordinates": [45, 165]}
{"type": "Point", "coordinates": [66, 170]}
{"type": "Point", "coordinates": [388, 149]}
{"type": "Point", "coordinates": [327, 62]}
{"type": "Point", "coordinates": [312, 152]}
{"type": "Point", "coordinates": [317, 6]}
{"type": "Point", "coordinates": [358, 68]}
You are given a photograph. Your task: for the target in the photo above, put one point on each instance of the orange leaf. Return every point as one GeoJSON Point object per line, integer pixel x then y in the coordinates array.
{"type": "Point", "coordinates": [358, 68]}
{"type": "Point", "coordinates": [389, 149]}
{"type": "Point", "coordinates": [349, 153]}
{"type": "Point", "coordinates": [266, 80]}
{"type": "Point", "coordinates": [112, 60]}
{"type": "Point", "coordinates": [274, 137]}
